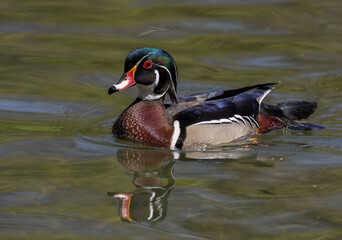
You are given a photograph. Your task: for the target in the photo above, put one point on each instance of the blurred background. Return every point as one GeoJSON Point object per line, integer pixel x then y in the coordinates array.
{"type": "Point", "coordinates": [61, 170]}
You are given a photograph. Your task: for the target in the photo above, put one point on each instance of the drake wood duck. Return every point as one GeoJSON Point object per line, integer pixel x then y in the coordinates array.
{"type": "Point", "coordinates": [198, 120]}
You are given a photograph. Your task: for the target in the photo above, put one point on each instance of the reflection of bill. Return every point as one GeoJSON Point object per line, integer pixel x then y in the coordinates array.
{"type": "Point", "coordinates": [154, 181]}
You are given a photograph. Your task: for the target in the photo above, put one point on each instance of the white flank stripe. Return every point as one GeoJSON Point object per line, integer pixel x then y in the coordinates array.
{"type": "Point", "coordinates": [249, 121]}
{"type": "Point", "coordinates": [214, 121]}
{"type": "Point", "coordinates": [207, 122]}
{"type": "Point", "coordinates": [239, 117]}
{"type": "Point", "coordinates": [230, 120]}
{"type": "Point", "coordinates": [233, 119]}
{"type": "Point", "coordinates": [175, 135]}
{"type": "Point", "coordinates": [224, 120]}
{"type": "Point", "coordinates": [256, 123]}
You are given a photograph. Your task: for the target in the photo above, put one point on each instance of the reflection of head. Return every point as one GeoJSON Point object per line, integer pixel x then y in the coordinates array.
{"type": "Point", "coordinates": [143, 205]}
{"type": "Point", "coordinates": [125, 204]}
{"type": "Point", "coordinates": [154, 181]}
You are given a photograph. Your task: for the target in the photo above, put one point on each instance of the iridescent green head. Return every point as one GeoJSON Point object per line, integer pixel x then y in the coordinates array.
{"type": "Point", "coordinates": [153, 71]}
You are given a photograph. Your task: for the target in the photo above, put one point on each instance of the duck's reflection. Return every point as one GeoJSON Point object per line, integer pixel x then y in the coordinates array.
{"type": "Point", "coordinates": [154, 181]}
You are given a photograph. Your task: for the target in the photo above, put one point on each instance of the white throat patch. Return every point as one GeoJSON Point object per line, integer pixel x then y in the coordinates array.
{"type": "Point", "coordinates": [146, 91]}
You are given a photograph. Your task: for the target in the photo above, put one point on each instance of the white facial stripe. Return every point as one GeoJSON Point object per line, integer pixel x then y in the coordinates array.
{"type": "Point", "coordinates": [146, 91]}
{"type": "Point", "coordinates": [166, 70]}
{"type": "Point", "coordinates": [156, 82]}
{"type": "Point", "coordinates": [175, 135]}
{"type": "Point", "coordinates": [144, 57]}
{"type": "Point", "coordinates": [173, 86]}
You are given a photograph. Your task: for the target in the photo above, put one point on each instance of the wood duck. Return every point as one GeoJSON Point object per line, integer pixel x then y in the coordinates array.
{"type": "Point", "coordinates": [199, 120]}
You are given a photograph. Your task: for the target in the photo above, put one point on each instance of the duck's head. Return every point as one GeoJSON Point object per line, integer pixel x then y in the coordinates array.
{"type": "Point", "coordinates": [152, 70]}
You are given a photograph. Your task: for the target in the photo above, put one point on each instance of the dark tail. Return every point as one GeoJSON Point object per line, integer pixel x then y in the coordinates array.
{"type": "Point", "coordinates": [286, 115]}
{"type": "Point", "coordinates": [297, 110]}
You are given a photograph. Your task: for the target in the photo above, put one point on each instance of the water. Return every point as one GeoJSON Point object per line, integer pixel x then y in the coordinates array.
{"type": "Point", "coordinates": [61, 168]}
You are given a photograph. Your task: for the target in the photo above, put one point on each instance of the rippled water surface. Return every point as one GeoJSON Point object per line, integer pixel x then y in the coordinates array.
{"type": "Point", "coordinates": [63, 176]}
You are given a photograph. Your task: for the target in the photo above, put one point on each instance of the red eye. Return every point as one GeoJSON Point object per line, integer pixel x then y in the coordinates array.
{"type": "Point", "coordinates": [148, 64]}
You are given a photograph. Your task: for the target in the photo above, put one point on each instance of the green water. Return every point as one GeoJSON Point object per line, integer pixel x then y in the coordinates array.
{"type": "Point", "coordinates": [60, 166]}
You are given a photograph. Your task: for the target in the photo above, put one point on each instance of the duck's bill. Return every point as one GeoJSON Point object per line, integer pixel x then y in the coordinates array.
{"type": "Point", "coordinates": [126, 81]}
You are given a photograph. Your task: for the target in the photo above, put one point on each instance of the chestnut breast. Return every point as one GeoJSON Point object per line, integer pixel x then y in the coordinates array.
{"type": "Point", "coordinates": [144, 122]}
